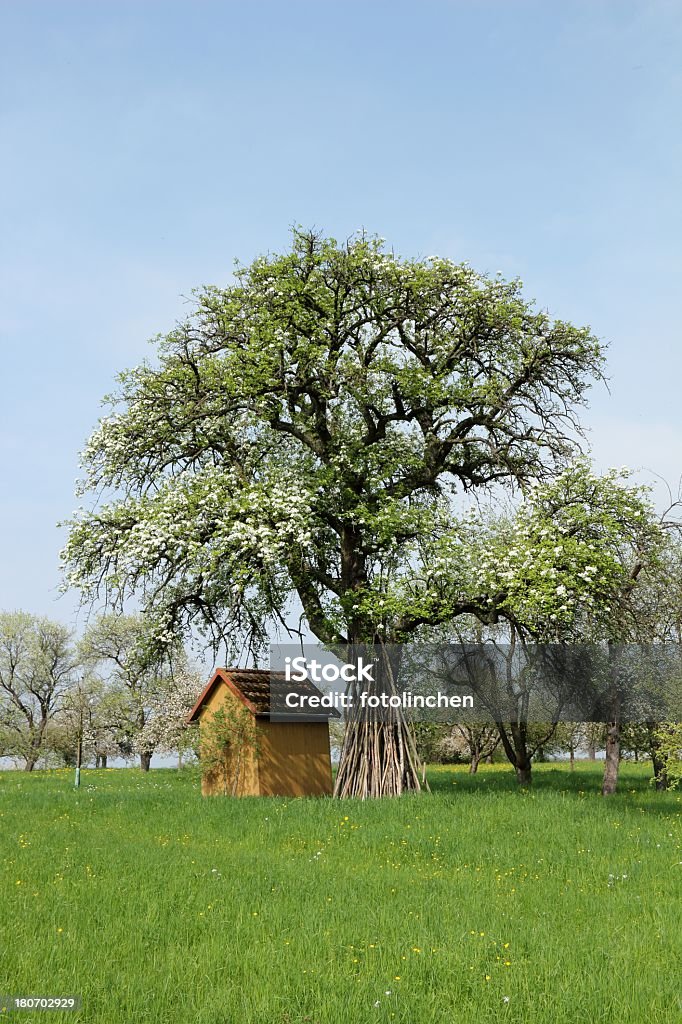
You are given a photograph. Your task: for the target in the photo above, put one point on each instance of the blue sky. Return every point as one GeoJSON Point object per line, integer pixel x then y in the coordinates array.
{"type": "Point", "coordinates": [147, 145]}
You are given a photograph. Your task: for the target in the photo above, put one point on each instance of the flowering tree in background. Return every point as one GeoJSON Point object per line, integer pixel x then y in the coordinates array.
{"type": "Point", "coordinates": [137, 674]}
{"type": "Point", "coordinates": [306, 439]}
{"type": "Point", "coordinates": [165, 729]}
{"type": "Point", "coordinates": [90, 715]}
{"type": "Point", "coordinates": [561, 569]}
{"type": "Point", "coordinates": [476, 742]}
{"type": "Point", "coordinates": [569, 738]}
{"type": "Point", "coordinates": [37, 667]}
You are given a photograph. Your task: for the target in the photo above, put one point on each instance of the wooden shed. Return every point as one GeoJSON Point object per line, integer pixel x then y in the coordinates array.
{"type": "Point", "coordinates": [249, 751]}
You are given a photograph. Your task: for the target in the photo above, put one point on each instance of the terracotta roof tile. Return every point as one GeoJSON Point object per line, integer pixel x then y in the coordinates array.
{"type": "Point", "coordinates": [255, 687]}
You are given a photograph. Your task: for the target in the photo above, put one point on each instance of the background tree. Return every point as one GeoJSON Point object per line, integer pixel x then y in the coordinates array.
{"type": "Point", "coordinates": [668, 755]}
{"type": "Point", "coordinates": [554, 572]}
{"type": "Point", "coordinates": [474, 742]}
{"type": "Point", "coordinates": [428, 741]}
{"type": "Point", "coordinates": [662, 604]}
{"type": "Point", "coordinates": [569, 738]}
{"type": "Point", "coordinates": [305, 437]}
{"type": "Point", "coordinates": [595, 738]}
{"type": "Point", "coordinates": [136, 672]}
{"type": "Point", "coordinates": [37, 667]}
{"type": "Point", "coordinates": [166, 729]}
{"type": "Point", "coordinates": [94, 713]}
{"type": "Point", "coordinates": [635, 740]}
{"type": "Point", "coordinates": [645, 609]}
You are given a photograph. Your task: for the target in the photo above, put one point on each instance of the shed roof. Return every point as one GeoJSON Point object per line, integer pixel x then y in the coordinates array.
{"type": "Point", "coordinates": [254, 687]}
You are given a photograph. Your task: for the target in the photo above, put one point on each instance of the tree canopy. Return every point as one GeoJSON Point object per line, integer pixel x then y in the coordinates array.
{"type": "Point", "coordinates": [304, 429]}
{"type": "Point", "coordinates": [304, 439]}
{"type": "Point", "coordinates": [37, 668]}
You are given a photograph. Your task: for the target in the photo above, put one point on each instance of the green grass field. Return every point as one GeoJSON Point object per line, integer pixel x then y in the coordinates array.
{"type": "Point", "coordinates": [478, 903]}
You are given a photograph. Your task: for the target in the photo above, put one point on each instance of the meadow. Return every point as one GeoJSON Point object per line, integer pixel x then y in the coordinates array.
{"type": "Point", "coordinates": [477, 903]}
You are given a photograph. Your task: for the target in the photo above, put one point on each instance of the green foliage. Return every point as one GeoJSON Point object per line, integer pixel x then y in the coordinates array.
{"type": "Point", "coordinates": [429, 738]}
{"type": "Point", "coordinates": [37, 667]}
{"type": "Point", "coordinates": [635, 739]}
{"type": "Point", "coordinates": [669, 737]}
{"type": "Point", "coordinates": [229, 741]}
{"type": "Point", "coordinates": [569, 737]}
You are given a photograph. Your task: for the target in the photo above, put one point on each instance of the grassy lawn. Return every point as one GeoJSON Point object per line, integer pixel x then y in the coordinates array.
{"type": "Point", "coordinates": [478, 903]}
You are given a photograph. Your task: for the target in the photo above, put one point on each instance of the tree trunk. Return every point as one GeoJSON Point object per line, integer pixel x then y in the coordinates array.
{"type": "Point", "coordinates": [474, 763]}
{"type": "Point", "coordinates": [661, 780]}
{"type": "Point", "coordinates": [516, 749]}
{"type": "Point", "coordinates": [612, 763]}
{"type": "Point", "coordinates": [592, 752]}
{"type": "Point", "coordinates": [35, 743]}
{"type": "Point", "coordinates": [572, 759]}
{"type": "Point", "coordinates": [145, 761]}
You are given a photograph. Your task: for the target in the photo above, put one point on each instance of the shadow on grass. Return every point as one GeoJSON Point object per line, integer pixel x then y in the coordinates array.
{"type": "Point", "coordinates": [585, 781]}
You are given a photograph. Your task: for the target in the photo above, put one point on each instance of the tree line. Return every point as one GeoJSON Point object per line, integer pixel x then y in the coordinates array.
{"type": "Point", "coordinates": [102, 696]}
{"type": "Point", "coordinates": [564, 741]}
